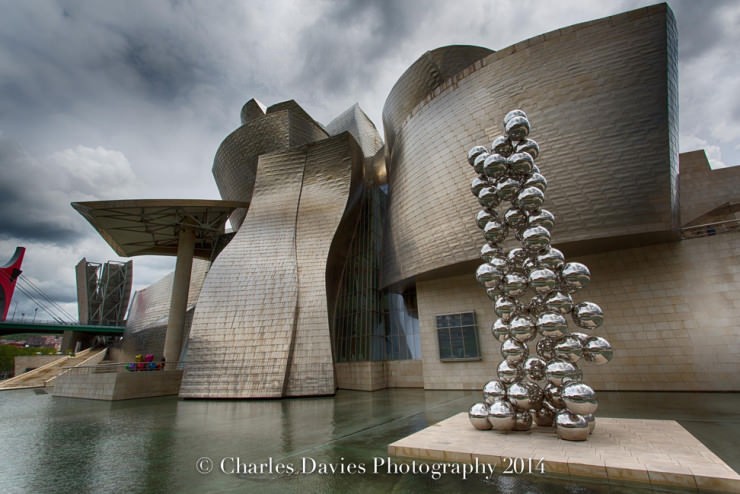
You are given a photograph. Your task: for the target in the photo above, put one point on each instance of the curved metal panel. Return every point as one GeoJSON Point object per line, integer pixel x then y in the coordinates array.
{"type": "Point", "coordinates": [331, 179]}
{"type": "Point", "coordinates": [242, 331]}
{"type": "Point", "coordinates": [281, 127]}
{"type": "Point", "coordinates": [598, 95]}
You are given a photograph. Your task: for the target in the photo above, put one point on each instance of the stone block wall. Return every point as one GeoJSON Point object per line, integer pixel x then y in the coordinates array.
{"type": "Point", "coordinates": [671, 313]}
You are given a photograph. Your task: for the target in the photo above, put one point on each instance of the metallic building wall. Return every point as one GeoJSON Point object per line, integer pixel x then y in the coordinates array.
{"type": "Point", "coordinates": [357, 123]}
{"type": "Point", "coordinates": [261, 326]}
{"type": "Point", "coordinates": [332, 173]}
{"type": "Point", "coordinates": [242, 330]}
{"type": "Point", "coordinates": [601, 98]}
{"type": "Point", "coordinates": [419, 82]}
{"type": "Point", "coordinates": [282, 127]}
{"type": "Point", "coordinates": [147, 318]}
{"type": "Point", "coordinates": [704, 189]}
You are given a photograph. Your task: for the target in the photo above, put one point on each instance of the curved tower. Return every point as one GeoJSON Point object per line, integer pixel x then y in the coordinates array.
{"type": "Point", "coordinates": [262, 325]}
{"type": "Point", "coordinates": [604, 93]}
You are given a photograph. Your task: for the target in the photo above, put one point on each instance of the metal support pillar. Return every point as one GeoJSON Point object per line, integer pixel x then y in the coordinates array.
{"type": "Point", "coordinates": [179, 299]}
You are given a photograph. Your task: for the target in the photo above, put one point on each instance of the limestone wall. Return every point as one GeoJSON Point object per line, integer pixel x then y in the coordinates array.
{"type": "Point", "coordinates": [671, 313]}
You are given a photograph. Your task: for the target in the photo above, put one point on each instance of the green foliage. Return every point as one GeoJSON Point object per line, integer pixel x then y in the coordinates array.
{"type": "Point", "coordinates": [9, 352]}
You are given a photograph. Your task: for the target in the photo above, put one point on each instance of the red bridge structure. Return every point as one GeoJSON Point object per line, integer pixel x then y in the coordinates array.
{"type": "Point", "coordinates": [9, 274]}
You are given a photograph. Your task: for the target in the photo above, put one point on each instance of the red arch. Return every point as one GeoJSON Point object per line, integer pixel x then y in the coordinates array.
{"type": "Point", "coordinates": [8, 276]}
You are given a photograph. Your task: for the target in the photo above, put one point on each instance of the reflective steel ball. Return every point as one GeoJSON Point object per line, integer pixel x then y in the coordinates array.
{"type": "Point", "coordinates": [536, 180]}
{"type": "Point", "coordinates": [507, 189]}
{"type": "Point", "coordinates": [483, 217]}
{"type": "Point", "coordinates": [508, 373]}
{"type": "Point", "coordinates": [514, 113]}
{"type": "Point", "coordinates": [514, 284]}
{"type": "Point", "coordinates": [588, 315]}
{"type": "Point", "coordinates": [515, 217]}
{"type": "Point", "coordinates": [517, 128]}
{"type": "Point", "coordinates": [569, 348]}
{"type": "Point", "coordinates": [579, 398]}
{"type": "Point", "coordinates": [552, 324]}
{"type": "Point", "coordinates": [474, 152]}
{"type": "Point", "coordinates": [571, 427]}
{"type": "Point", "coordinates": [530, 147]}
{"type": "Point", "coordinates": [575, 276]}
{"type": "Point", "coordinates": [536, 239]}
{"type": "Point", "coordinates": [496, 166]}
{"type": "Point", "coordinates": [545, 219]}
{"type": "Point", "coordinates": [493, 390]}
{"type": "Point", "coordinates": [530, 199]}
{"type": "Point", "coordinates": [517, 255]}
{"type": "Point", "coordinates": [518, 395]}
{"type": "Point", "coordinates": [522, 328]}
{"type": "Point", "coordinates": [500, 330]}
{"type": "Point", "coordinates": [495, 231]}
{"type": "Point", "coordinates": [522, 420]}
{"type": "Point", "coordinates": [557, 369]}
{"type": "Point", "coordinates": [546, 348]}
{"type": "Point", "coordinates": [544, 417]}
{"type": "Point", "coordinates": [559, 302]}
{"type": "Point", "coordinates": [477, 184]}
{"type": "Point", "coordinates": [502, 145]}
{"type": "Point", "coordinates": [598, 350]}
{"type": "Point", "coordinates": [534, 368]}
{"type": "Point", "coordinates": [478, 415]}
{"type": "Point", "coordinates": [543, 280]}
{"type": "Point", "coordinates": [501, 415]}
{"type": "Point", "coordinates": [488, 251]}
{"type": "Point", "coordinates": [488, 198]}
{"type": "Point", "coordinates": [514, 351]}
{"type": "Point", "coordinates": [505, 307]}
{"type": "Point", "coordinates": [521, 164]}
{"type": "Point", "coordinates": [553, 397]}
{"type": "Point", "coordinates": [486, 273]}
{"type": "Point", "coordinates": [479, 161]}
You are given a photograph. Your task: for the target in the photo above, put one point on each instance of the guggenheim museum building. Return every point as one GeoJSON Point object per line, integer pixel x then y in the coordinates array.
{"type": "Point", "coordinates": [351, 258]}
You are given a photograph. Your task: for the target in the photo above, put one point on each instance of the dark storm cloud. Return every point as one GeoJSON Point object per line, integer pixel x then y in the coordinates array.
{"type": "Point", "coordinates": [76, 51]}
{"type": "Point", "coordinates": [344, 48]}
{"type": "Point", "coordinates": [29, 209]}
{"type": "Point", "coordinates": [703, 26]}
{"type": "Point", "coordinates": [34, 194]}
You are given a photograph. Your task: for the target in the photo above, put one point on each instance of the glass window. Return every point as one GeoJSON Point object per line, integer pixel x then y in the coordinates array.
{"type": "Point", "coordinates": [457, 335]}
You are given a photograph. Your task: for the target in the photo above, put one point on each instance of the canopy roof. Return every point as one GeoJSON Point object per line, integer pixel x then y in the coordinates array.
{"type": "Point", "coordinates": [151, 226]}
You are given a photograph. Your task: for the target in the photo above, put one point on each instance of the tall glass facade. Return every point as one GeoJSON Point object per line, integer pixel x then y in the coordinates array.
{"type": "Point", "coordinates": [370, 324]}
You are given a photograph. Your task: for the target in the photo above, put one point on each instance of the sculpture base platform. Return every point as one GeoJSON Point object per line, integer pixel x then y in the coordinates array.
{"type": "Point", "coordinates": [657, 452]}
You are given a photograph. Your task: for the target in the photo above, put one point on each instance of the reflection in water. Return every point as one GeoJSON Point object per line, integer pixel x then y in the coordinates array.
{"type": "Point", "coordinates": [53, 444]}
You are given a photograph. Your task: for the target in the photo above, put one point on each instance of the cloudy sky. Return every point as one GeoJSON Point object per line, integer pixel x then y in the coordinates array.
{"type": "Point", "coordinates": [110, 99]}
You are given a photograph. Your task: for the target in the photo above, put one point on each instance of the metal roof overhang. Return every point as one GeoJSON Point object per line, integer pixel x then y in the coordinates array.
{"type": "Point", "coordinates": [139, 227]}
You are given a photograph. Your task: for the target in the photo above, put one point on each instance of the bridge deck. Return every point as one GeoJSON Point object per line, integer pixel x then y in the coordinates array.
{"type": "Point", "coordinates": [16, 327]}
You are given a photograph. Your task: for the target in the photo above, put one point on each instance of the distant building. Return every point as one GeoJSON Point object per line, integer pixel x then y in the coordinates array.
{"type": "Point", "coordinates": [353, 266]}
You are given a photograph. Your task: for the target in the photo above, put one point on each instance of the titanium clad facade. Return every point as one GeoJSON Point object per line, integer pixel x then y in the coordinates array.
{"type": "Point", "coordinates": [332, 181]}
{"type": "Point", "coordinates": [602, 100]}
{"type": "Point", "coordinates": [147, 318]}
{"type": "Point", "coordinates": [703, 190]}
{"type": "Point", "coordinates": [280, 128]}
{"type": "Point", "coordinates": [261, 327]}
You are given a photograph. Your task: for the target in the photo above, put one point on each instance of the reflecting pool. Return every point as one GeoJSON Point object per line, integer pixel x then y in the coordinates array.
{"type": "Point", "coordinates": [51, 444]}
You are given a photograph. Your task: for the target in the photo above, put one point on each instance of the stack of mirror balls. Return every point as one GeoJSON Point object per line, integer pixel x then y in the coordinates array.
{"type": "Point", "coordinates": [532, 288]}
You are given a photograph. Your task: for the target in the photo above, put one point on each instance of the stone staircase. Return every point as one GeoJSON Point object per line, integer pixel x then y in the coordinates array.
{"type": "Point", "coordinates": [45, 375]}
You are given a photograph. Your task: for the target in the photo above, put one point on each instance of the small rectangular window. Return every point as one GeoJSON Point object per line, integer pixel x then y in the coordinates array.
{"type": "Point", "coordinates": [457, 335]}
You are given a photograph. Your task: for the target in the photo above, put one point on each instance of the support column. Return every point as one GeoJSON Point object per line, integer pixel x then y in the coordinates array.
{"type": "Point", "coordinates": [179, 299]}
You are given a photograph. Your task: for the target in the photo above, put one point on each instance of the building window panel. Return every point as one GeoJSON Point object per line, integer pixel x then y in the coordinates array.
{"type": "Point", "coordinates": [457, 335]}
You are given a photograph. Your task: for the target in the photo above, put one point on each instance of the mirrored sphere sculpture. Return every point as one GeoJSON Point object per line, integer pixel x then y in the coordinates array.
{"type": "Point", "coordinates": [532, 288]}
{"type": "Point", "coordinates": [478, 415]}
{"type": "Point", "coordinates": [501, 415]}
{"type": "Point", "coordinates": [492, 391]}
{"type": "Point", "coordinates": [571, 427]}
